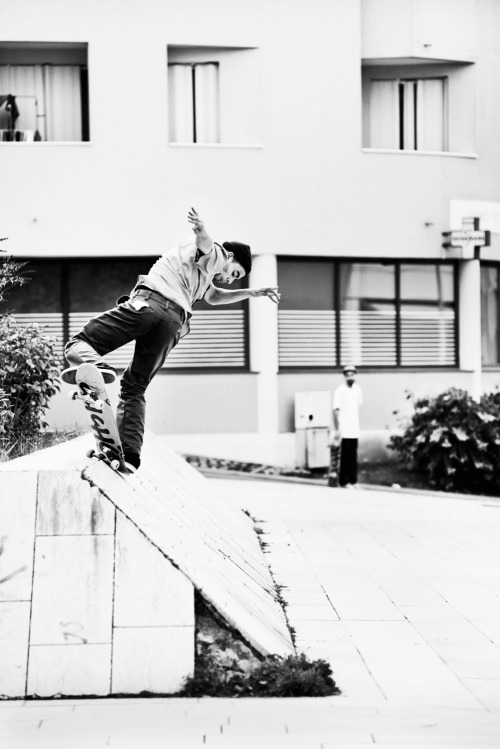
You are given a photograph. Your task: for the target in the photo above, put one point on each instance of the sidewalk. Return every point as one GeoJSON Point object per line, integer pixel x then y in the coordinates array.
{"type": "Point", "coordinates": [400, 592]}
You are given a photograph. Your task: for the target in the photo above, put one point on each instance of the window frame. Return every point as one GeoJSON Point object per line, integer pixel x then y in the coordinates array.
{"type": "Point", "coordinates": [48, 56]}
{"type": "Point", "coordinates": [239, 92]}
{"type": "Point", "coordinates": [397, 263]}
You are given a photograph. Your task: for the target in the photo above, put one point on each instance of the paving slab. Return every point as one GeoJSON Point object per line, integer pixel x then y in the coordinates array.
{"type": "Point", "coordinates": [398, 591]}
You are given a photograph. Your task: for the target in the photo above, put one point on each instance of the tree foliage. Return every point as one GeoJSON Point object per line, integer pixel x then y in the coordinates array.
{"type": "Point", "coordinates": [29, 369]}
{"type": "Point", "coordinates": [454, 441]}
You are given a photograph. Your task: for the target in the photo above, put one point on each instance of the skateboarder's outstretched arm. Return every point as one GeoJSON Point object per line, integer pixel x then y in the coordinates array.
{"type": "Point", "coordinates": [204, 241]}
{"type": "Point", "coordinates": [215, 295]}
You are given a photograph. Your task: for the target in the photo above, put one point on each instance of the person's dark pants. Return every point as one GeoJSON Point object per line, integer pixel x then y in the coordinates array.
{"type": "Point", "coordinates": [155, 324]}
{"type": "Point", "coordinates": [348, 462]}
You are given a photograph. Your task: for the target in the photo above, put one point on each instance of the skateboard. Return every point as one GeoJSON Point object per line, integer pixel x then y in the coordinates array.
{"type": "Point", "coordinates": [92, 392]}
{"type": "Point", "coordinates": [334, 467]}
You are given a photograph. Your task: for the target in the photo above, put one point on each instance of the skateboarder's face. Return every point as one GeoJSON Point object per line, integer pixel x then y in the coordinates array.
{"type": "Point", "coordinates": [230, 272]}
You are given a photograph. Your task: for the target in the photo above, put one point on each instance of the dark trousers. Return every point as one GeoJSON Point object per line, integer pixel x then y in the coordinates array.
{"type": "Point", "coordinates": [155, 325]}
{"type": "Point", "coordinates": [348, 462]}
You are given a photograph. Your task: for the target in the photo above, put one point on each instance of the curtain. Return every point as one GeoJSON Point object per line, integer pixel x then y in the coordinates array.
{"type": "Point", "coordinates": [48, 98]}
{"type": "Point", "coordinates": [431, 114]}
{"type": "Point", "coordinates": [63, 102]}
{"type": "Point", "coordinates": [410, 110]}
{"type": "Point", "coordinates": [207, 102]}
{"type": "Point", "coordinates": [384, 125]}
{"type": "Point", "coordinates": [180, 99]}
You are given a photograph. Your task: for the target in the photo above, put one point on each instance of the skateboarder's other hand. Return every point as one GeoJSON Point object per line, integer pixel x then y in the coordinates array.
{"type": "Point", "coordinates": [271, 292]}
{"type": "Point", "coordinates": [195, 220]}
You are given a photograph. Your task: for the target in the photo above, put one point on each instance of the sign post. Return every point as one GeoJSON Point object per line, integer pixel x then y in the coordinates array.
{"type": "Point", "coordinates": [465, 244]}
{"type": "Point", "coordinates": [468, 240]}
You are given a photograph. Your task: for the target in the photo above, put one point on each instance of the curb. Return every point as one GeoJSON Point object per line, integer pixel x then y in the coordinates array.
{"type": "Point", "coordinates": [243, 475]}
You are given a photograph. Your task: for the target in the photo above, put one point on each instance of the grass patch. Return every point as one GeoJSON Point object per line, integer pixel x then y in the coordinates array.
{"type": "Point", "coordinates": [26, 445]}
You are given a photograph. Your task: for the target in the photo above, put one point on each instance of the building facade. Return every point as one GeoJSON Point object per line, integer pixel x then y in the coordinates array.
{"type": "Point", "coordinates": [339, 138]}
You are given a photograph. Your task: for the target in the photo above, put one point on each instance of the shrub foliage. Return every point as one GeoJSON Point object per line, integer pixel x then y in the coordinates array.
{"type": "Point", "coordinates": [29, 370]}
{"type": "Point", "coordinates": [274, 676]}
{"type": "Point", "coordinates": [454, 441]}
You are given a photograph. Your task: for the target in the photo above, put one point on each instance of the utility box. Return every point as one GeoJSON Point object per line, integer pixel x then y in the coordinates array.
{"type": "Point", "coordinates": [313, 421]}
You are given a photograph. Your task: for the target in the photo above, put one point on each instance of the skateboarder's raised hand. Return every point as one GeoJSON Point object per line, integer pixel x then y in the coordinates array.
{"type": "Point", "coordinates": [195, 220]}
{"type": "Point", "coordinates": [203, 241]}
{"type": "Point", "coordinates": [271, 292]}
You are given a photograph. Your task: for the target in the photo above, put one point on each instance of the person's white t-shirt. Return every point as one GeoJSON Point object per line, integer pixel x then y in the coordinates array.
{"type": "Point", "coordinates": [348, 400]}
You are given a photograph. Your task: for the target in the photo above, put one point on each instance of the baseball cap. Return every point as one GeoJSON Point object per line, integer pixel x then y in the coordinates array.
{"type": "Point", "coordinates": [349, 368]}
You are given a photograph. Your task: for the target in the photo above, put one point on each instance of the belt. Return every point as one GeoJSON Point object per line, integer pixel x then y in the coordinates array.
{"type": "Point", "coordinates": [147, 293]}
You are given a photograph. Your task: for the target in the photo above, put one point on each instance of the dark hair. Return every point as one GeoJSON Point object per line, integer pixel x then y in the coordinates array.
{"type": "Point", "coordinates": [242, 254]}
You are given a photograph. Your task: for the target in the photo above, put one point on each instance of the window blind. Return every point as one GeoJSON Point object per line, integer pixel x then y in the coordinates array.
{"type": "Point", "coordinates": [306, 338]}
{"type": "Point", "coordinates": [216, 339]}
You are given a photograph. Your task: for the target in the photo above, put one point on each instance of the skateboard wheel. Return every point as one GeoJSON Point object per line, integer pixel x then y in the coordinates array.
{"type": "Point", "coordinates": [115, 465]}
{"type": "Point", "coordinates": [91, 453]}
{"type": "Point", "coordinates": [73, 395]}
{"type": "Point", "coordinates": [99, 404]}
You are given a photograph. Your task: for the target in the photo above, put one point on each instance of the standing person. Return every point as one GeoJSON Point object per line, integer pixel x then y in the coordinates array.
{"type": "Point", "coordinates": [347, 399]}
{"type": "Point", "coordinates": [156, 315]}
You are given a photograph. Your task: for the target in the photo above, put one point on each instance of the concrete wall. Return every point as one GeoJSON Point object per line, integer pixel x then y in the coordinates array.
{"type": "Point", "coordinates": [85, 600]}
{"type": "Point", "coordinates": [127, 191]}
{"type": "Point", "coordinates": [189, 402]}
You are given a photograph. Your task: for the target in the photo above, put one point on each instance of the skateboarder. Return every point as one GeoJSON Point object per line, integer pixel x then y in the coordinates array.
{"type": "Point", "coordinates": [156, 315]}
{"type": "Point", "coordinates": [347, 399]}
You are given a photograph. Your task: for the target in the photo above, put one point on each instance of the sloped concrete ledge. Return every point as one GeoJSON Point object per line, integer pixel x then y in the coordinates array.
{"type": "Point", "coordinates": [98, 573]}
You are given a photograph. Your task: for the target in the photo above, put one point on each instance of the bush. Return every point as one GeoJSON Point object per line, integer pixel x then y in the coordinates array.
{"type": "Point", "coordinates": [29, 372]}
{"type": "Point", "coordinates": [454, 441]}
{"type": "Point", "coordinates": [275, 676]}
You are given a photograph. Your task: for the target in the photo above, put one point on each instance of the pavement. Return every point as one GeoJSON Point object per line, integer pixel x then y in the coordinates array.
{"type": "Point", "coordinates": [399, 591]}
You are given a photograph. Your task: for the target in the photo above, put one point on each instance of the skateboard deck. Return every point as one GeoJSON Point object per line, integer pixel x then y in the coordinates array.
{"type": "Point", "coordinates": [92, 392]}
{"type": "Point", "coordinates": [334, 467]}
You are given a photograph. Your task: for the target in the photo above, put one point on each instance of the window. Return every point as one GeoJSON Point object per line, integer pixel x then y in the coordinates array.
{"type": "Point", "coordinates": [427, 315]}
{"type": "Point", "coordinates": [43, 92]}
{"type": "Point", "coordinates": [368, 314]}
{"type": "Point", "coordinates": [194, 102]}
{"type": "Point", "coordinates": [213, 95]}
{"type": "Point", "coordinates": [64, 294]}
{"type": "Point", "coordinates": [306, 316]}
{"type": "Point", "coordinates": [407, 114]}
{"type": "Point", "coordinates": [490, 314]}
{"type": "Point", "coordinates": [372, 314]}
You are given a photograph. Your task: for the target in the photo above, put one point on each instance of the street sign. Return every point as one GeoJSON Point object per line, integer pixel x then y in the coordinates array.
{"type": "Point", "coordinates": [468, 240]}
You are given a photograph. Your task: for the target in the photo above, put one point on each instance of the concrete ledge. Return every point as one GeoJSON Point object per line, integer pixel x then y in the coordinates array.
{"type": "Point", "coordinates": [98, 572]}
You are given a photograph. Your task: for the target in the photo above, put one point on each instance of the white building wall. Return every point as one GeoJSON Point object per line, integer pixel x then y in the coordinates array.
{"type": "Point", "coordinates": [300, 185]}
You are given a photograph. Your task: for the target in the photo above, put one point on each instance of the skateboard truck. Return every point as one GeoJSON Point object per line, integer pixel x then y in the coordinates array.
{"type": "Point", "coordinates": [87, 396]}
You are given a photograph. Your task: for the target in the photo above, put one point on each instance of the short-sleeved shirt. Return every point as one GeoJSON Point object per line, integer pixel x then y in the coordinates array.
{"type": "Point", "coordinates": [348, 400]}
{"type": "Point", "coordinates": [184, 274]}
